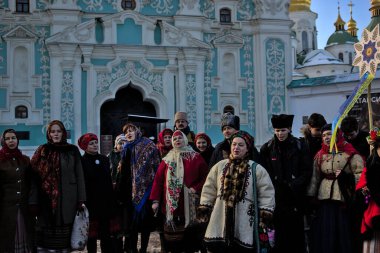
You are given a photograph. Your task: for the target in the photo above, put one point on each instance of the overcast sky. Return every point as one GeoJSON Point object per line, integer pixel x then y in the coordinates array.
{"type": "Point", "coordinates": [328, 12]}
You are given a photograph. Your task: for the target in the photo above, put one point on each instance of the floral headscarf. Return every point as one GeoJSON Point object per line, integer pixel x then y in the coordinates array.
{"type": "Point", "coordinates": [46, 161]}
{"type": "Point", "coordinates": [143, 164]}
{"type": "Point", "coordinates": [175, 172]}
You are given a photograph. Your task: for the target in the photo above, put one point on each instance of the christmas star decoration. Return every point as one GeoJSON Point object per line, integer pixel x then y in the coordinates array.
{"type": "Point", "coordinates": [368, 52]}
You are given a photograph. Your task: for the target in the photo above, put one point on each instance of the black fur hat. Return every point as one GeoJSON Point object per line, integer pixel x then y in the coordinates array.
{"type": "Point", "coordinates": [282, 121]}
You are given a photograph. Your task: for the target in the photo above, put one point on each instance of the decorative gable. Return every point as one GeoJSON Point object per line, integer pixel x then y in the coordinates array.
{"type": "Point", "coordinates": [19, 32]}
{"type": "Point", "coordinates": [228, 39]}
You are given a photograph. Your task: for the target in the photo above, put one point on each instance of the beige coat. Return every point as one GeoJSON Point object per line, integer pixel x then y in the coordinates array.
{"type": "Point", "coordinates": [243, 211]}
{"type": "Point", "coordinates": [320, 186]}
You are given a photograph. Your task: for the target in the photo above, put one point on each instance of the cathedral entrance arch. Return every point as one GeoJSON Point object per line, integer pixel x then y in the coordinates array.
{"type": "Point", "coordinates": [114, 114]}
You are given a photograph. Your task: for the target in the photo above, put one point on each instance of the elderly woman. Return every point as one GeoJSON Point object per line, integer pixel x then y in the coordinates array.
{"type": "Point", "coordinates": [164, 143]}
{"type": "Point", "coordinates": [100, 198]}
{"type": "Point", "coordinates": [333, 185]}
{"type": "Point", "coordinates": [237, 191]}
{"type": "Point", "coordinates": [15, 185]}
{"type": "Point", "coordinates": [139, 163]}
{"type": "Point", "coordinates": [180, 175]}
{"type": "Point", "coordinates": [204, 146]}
{"type": "Point", "coordinates": [61, 186]}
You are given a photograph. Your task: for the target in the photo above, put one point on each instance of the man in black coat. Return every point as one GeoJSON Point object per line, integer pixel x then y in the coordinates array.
{"type": "Point", "coordinates": [288, 163]}
{"type": "Point", "coordinates": [230, 124]}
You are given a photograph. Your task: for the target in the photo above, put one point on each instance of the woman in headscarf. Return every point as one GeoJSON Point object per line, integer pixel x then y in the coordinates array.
{"type": "Point", "coordinates": [204, 146]}
{"type": "Point", "coordinates": [61, 186]}
{"type": "Point", "coordinates": [100, 198]}
{"type": "Point", "coordinates": [164, 143]}
{"type": "Point", "coordinates": [115, 156]}
{"type": "Point", "coordinates": [139, 162]}
{"type": "Point", "coordinates": [370, 188]}
{"type": "Point", "coordinates": [15, 185]}
{"type": "Point", "coordinates": [333, 186]}
{"type": "Point", "coordinates": [180, 175]}
{"type": "Point", "coordinates": [235, 199]}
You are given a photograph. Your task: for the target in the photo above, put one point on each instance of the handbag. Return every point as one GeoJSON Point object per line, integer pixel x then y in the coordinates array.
{"type": "Point", "coordinates": [79, 235]}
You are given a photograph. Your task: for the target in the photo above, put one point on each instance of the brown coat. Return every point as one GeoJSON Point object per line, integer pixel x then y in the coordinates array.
{"type": "Point", "coordinates": [14, 194]}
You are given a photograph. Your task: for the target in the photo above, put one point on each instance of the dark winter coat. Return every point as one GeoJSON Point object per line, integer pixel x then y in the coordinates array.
{"type": "Point", "coordinates": [15, 185]}
{"type": "Point", "coordinates": [72, 187]}
{"type": "Point", "coordinates": [289, 166]}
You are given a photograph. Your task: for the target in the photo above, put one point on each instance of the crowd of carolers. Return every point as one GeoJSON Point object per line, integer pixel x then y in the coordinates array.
{"type": "Point", "coordinates": [292, 195]}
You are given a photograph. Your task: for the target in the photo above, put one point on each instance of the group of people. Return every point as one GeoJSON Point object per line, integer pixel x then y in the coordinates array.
{"type": "Point", "coordinates": [292, 195]}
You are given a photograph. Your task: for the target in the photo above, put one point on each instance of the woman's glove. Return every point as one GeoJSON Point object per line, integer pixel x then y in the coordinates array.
{"type": "Point", "coordinates": [266, 218]}
{"type": "Point", "coordinates": [203, 214]}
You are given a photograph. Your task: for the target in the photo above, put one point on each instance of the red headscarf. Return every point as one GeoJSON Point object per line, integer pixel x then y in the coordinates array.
{"type": "Point", "coordinates": [342, 146]}
{"type": "Point", "coordinates": [85, 139]}
{"type": "Point", "coordinates": [203, 136]}
{"type": "Point", "coordinates": [6, 152]}
{"type": "Point", "coordinates": [161, 144]}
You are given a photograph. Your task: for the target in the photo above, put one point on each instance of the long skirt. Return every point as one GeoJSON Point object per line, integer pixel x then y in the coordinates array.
{"type": "Point", "coordinates": [331, 229]}
{"type": "Point", "coordinates": [372, 245]}
{"type": "Point", "coordinates": [21, 237]}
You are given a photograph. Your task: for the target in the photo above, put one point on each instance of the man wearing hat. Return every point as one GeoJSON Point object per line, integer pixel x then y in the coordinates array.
{"type": "Point", "coordinates": [182, 124]}
{"type": "Point", "coordinates": [230, 124]}
{"type": "Point", "coordinates": [288, 163]}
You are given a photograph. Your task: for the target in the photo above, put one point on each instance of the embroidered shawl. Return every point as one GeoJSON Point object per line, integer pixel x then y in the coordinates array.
{"type": "Point", "coordinates": [175, 172]}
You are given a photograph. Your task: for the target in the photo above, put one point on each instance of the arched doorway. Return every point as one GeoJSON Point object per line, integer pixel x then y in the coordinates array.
{"type": "Point", "coordinates": [113, 115]}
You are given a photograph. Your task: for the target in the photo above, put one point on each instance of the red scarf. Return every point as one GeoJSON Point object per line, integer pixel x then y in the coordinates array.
{"type": "Point", "coordinates": [342, 146]}
{"type": "Point", "coordinates": [6, 153]}
{"type": "Point", "coordinates": [46, 161]}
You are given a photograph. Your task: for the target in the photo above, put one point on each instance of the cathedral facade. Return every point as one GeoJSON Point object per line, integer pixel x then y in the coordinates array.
{"type": "Point", "coordinates": [92, 63]}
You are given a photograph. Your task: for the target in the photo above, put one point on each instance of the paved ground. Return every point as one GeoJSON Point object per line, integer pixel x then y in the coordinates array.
{"type": "Point", "coordinates": [153, 247]}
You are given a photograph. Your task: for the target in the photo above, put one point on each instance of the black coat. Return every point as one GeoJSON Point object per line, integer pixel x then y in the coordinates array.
{"type": "Point", "coordinates": [289, 166]}
{"type": "Point", "coordinates": [15, 186]}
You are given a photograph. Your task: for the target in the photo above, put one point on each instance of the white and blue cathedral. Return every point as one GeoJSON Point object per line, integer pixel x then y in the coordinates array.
{"type": "Point", "coordinates": [93, 64]}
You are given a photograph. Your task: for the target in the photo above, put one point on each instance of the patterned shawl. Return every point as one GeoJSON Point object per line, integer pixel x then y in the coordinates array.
{"type": "Point", "coordinates": [175, 173]}
{"type": "Point", "coordinates": [144, 163]}
{"type": "Point", "coordinates": [46, 162]}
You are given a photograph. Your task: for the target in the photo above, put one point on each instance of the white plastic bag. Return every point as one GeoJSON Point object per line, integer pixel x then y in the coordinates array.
{"type": "Point", "coordinates": [79, 234]}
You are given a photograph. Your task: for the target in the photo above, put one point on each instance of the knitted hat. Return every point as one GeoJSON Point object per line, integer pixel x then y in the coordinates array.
{"type": "Point", "coordinates": [228, 119]}
{"type": "Point", "coordinates": [120, 137]}
{"type": "Point", "coordinates": [249, 140]}
{"type": "Point", "coordinates": [282, 121]}
{"type": "Point", "coordinates": [85, 139]}
{"type": "Point", "coordinates": [180, 116]}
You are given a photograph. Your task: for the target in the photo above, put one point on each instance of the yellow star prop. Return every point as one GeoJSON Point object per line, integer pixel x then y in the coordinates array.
{"type": "Point", "coordinates": [368, 52]}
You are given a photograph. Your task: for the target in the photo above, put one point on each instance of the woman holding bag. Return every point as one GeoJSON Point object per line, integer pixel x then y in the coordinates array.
{"type": "Point", "coordinates": [61, 189]}
{"type": "Point", "coordinates": [181, 172]}
{"type": "Point", "coordinates": [233, 198]}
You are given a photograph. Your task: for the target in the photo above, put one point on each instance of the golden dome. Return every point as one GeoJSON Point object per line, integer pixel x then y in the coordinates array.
{"type": "Point", "coordinates": [375, 8]}
{"type": "Point", "coordinates": [351, 24]}
{"type": "Point", "coordinates": [300, 5]}
{"type": "Point", "coordinates": [339, 23]}
{"type": "Point", "coordinates": [352, 29]}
